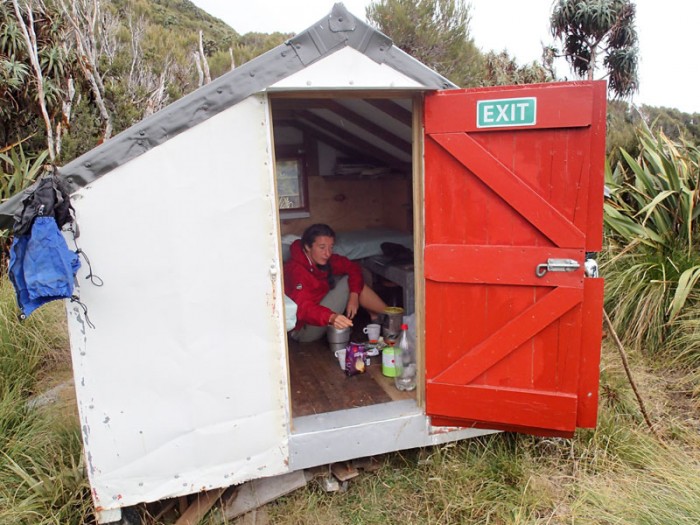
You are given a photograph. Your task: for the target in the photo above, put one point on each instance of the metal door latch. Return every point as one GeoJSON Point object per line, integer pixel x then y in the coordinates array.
{"type": "Point", "coordinates": [557, 265]}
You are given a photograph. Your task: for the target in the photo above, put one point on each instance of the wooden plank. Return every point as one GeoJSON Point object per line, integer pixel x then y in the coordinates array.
{"type": "Point", "coordinates": [357, 119]}
{"type": "Point", "coordinates": [258, 492]}
{"type": "Point", "coordinates": [392, 109]}
{"type": "Point", "coordinates": [559, 105]}
{"type": "Point", "coordinates": [307, 395]}
{"type": "Point", "coordinates": [182, 504]}
{"type": "Point", "coordinates": [594, 233]}
{"type": "Point", "coordinates": [255, 517]}
{"type": "Point", "coordinates": [322, 136]}
{"type": "Point", "coordinates": [318, 385]}
{"type": "Point", "coordinates": [544, 432]}
{"type": "Point", "coordinates": [368, 464]}
{"type": "Point", "coordinates": [504, 341]}
{"type": "Point", "coordinates": [505, 265]}
{"type": "Point", "coordinates": [506, 184]}
{"type": "Point", "coordinates": [530, 408]}
{"type": "Point", "coordinates": [344, 471]}
{"type": "Point", "coordinates": [417, 222]}
{"type": "Point", "coordinates": [387, 383]}
{"type": "Point", "coordinates": [199, 507]}
{"type": "Point", "coordinates": [568, 357]}
{"type": "Point", "coordinates": [354, 140]}
{"type": "Point", "coordinates": [589, 371]}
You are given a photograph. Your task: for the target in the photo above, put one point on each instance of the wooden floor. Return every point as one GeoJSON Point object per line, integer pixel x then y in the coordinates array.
{"type": "Point", "coordinates": [318, 384]}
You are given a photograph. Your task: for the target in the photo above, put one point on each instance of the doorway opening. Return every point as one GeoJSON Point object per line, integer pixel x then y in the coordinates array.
{"type": "Point", "coordinates": [346, 160]}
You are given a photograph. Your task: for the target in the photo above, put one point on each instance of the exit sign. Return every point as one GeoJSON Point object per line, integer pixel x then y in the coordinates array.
{"type": "Point", "coordinates": [506, 112]}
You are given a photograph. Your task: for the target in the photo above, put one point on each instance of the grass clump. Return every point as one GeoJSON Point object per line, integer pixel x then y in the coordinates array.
{"type": "Point", "coordinates": [42, 479]}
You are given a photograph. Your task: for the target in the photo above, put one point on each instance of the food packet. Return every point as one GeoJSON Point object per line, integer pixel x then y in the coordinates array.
{"type": "Point", "coordinates": [355, 359]}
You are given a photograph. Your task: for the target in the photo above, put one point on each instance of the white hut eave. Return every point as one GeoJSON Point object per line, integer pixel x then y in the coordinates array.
{"type": "Point", "coordinates": [347, 69]}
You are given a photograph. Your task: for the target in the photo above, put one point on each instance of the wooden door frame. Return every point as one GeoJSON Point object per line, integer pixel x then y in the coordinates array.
{"type": "Point", "coordinates": [418, 177]}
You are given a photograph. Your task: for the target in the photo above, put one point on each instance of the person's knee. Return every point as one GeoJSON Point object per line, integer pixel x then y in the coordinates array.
{"type": "Point", "coordinates": [338, 296]}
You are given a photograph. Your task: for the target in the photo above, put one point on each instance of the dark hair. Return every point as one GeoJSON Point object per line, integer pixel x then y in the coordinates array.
{"type": "Point", "coordinates": [316, 230]}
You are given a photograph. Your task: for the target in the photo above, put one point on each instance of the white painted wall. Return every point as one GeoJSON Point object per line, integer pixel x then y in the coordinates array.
{"type": "Point", "coordinates": [182, 385]}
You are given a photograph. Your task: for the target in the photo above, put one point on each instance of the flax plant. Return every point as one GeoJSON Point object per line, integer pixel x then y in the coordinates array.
{"type": "Point", "coordinates": [652, 220]}
{"type": "Point", "coordinates": [17, 171]}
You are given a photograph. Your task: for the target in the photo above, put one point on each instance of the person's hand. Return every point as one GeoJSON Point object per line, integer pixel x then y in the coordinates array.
{"type": "Point", "coordinates": [341, 322]}
{"type": "Point", "coordinates": [352, 306]}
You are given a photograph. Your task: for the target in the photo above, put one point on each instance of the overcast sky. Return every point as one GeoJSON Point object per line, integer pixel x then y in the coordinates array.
{"type": "Point", "coordinates": [668, 38]}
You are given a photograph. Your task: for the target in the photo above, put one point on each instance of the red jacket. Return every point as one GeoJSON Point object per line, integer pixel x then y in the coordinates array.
{"type": "Point", "coordinates": [307, 285]}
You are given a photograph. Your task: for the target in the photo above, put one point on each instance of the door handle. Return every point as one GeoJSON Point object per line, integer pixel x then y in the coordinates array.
{"type": "Point", "coordinates": [557, 265]}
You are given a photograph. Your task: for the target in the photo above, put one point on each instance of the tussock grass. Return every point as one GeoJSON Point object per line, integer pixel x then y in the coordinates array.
{"type": "Point", "coordinates": [42, 478]}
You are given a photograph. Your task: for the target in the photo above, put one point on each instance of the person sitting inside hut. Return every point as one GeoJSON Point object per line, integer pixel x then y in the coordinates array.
{"type": "Point", "coordinates": [327, 288]}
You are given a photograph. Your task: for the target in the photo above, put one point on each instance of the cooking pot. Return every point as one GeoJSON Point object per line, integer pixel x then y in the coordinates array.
{"type": "Point", "coordinates": [393, 319]}
{"type": "Point", "coordinates": [338, 335]}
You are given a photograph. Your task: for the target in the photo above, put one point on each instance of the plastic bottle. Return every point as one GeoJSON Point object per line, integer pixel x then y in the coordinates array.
{"type": "Point", "coordinates": [405, 378]}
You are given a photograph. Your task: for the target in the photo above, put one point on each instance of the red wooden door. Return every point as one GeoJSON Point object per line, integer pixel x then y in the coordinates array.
{"type": "Point", "coordinates": [513, 178]}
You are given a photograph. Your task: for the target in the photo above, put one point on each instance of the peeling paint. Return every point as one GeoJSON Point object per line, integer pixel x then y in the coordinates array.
{"type": "Point", "coordinates": [91, 467]}
{"type": "Point", "coordinates": [80, 319]}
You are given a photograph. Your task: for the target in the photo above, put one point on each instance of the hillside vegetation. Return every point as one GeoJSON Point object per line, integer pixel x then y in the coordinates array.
{"type": "Point", "coordinates": [107, 65]}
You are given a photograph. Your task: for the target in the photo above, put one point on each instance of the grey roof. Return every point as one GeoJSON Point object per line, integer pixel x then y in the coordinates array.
{"type": "Point", "coordinates": [338, 29]}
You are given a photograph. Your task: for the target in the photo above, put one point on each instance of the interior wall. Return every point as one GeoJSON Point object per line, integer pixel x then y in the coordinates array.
{"type": "Point", "coordinates": [343, 204]}
{"type": "Point", "coordinates": [397, 209]}
{"type": "Point", "coordinates": [356, 204]}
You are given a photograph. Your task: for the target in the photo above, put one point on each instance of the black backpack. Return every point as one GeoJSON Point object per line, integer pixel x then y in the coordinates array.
{"type": "Point", "coordinates": [49, 197]}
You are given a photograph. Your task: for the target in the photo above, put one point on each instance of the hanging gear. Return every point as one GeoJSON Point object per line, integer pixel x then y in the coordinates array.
{"type": "Point", "coordinates": [42, 267]}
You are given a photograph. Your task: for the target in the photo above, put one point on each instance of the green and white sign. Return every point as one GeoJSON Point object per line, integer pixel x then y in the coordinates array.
{"type": "Point", "coordinates": [506, 112]}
